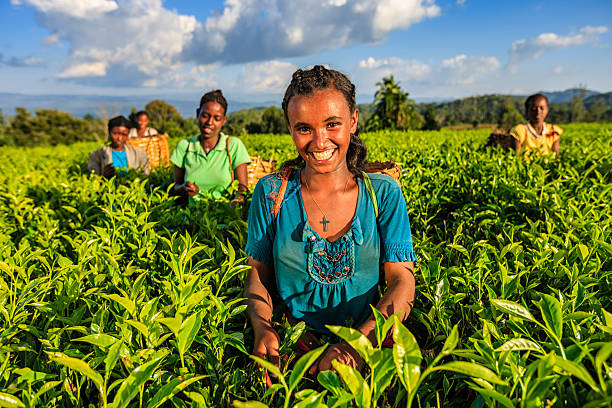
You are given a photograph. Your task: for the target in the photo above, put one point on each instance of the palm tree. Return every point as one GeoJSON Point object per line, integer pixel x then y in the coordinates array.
{"type": "Point", "coordinates": [393, 109]}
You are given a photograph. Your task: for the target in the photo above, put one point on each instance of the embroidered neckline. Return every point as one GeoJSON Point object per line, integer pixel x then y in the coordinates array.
{"type": "Point", "coordinates": [533, 132]}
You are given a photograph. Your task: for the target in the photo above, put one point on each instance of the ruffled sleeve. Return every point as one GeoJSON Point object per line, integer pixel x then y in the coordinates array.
{"type": "Point", "coordinates": [519, 132]}
{"type": "Point", "coordinates": [393, 223]}
{"type": "Point", "coordinates": [260, 233]}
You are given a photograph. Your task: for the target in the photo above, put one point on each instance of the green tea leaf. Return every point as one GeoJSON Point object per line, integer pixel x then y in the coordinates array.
{"type": "Point", "coordinates": [170, 389]}
{"type": "Point", "coordinates": [502, 399]}
{"type": "Point", "coordinates": [129, 387]}
{"type": "Point", "coordinates": [100, 340]}
{"type": "Point", "coordinates": [266, 365]}
{"type": "Point", "coordinates": [123, 301]}
{"type": "Point", "coordinates": [77, 365]}
{"type": "Point", "coordinates": [519, 344]}
{"type": "Point", "coordinates": [10, 401]}
{"type": "Point", "coordinates": [355, 339]}
{"type": "Point", "coordinates": [189, 329]}
{"type": "Point", "coordinates": [576, 370]}
{"type": "Point", "coordinates": [303, 364]}
{"type": "Point", "coordinates": [552, 314]}
{"type": "Point", "coordinates": [472, 370]}
{"type": "Point", "coordinates": [249, 404]}
{"type": "Point", "coordinates": [113, 355]}
{"type": "Point", "coordinates": [406, 356]}
{"type": "Point", "coordinates": [513, 309]}
{"type": "Point", "coordinates": [356, 384]}
{"type": "Point", "coordinates": [451, 341]}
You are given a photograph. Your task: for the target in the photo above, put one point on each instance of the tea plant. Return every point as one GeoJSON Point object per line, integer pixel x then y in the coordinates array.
{"type": "Point", "coordinates": [113, 296]}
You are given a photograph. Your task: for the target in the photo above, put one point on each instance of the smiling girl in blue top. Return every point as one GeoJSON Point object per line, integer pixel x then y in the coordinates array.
{"type": "Point", "coordinates": [321, 251]}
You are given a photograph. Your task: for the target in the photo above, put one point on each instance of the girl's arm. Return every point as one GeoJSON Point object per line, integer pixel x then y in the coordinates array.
{"type": "Point", "coordinates": [258, 289]}
{"type": "Point", "coordinates": [243, 182]}
{"type": "Point", "coordinates": [555, 146]}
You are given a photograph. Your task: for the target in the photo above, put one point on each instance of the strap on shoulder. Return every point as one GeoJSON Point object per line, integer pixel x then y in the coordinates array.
{"type": "Point", "coordinates": [229, 158]}
{"type": "Point", "coordinates": [285, 174]}
{"type": "Point", "coordinates": [368, 185]}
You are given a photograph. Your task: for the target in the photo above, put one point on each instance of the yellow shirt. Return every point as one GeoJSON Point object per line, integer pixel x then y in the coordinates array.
{"type": "Point", "coordinates": [529, 141]}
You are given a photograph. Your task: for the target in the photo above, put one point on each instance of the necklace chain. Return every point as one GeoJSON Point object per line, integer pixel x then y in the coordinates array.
{"type": "Point", "coordinates": [325, 220]}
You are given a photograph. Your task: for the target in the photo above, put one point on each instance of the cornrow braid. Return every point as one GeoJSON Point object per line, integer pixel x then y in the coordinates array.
{"type": "Point", "coordinates": [318, 78]}
{"type": "Point", "coordinates": [213, 96]}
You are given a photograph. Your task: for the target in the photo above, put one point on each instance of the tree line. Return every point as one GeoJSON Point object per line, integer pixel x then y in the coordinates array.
{"type": "Point", "coordinates": [392, 109]}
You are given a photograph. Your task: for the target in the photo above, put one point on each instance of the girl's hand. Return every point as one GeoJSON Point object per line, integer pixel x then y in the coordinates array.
{"type": "Point", "coordinates": [109, 171]}
{"type": "Point", "coordinates": [191, 189]}
{"type": "Point", "coordinates": [267, 343]}
{"type": "Point", "coordinates": [341, 352]}
{"type": "Point", "coordinates": [237, 200]}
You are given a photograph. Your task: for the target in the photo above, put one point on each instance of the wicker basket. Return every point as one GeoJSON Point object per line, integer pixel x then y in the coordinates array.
{"type": "Point", "coordinates": [389, 168]}
{"type": "Point", "coordinates": [259, 168]}
{"type": "Point", "coordinates": [502, 140]}
{"type": "Point", "coordinates": [157, 148]}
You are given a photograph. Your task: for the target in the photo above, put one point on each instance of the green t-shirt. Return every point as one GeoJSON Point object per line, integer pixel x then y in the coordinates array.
{"type": "Point", "coordinates": [210, 172]}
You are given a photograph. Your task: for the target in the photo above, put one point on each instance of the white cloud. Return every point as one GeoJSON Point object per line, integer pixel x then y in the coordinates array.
{"type": "Point", "coordinates": [93, 69]}
{"type": "Point", "coordinates": [536, 47]}
{"type": "Point", "coordinates": [82, 9]}
{"type": "Point", "coordinates": [463, 69]}
{"type": "Point", "coordinates": [251, 30]}
{"type": "Point", "coordinates": [132, 42]}
{"type": "Point", "coordinates": [558, 69]}
{"type": "Point", "coordinates": [141, 43]}
{"type": "Point", "coordinates": [458, 70]}
{"type": "Point", "coordinates": [267, 77]}
{"type": "Point", "coordinates": [403, 70]}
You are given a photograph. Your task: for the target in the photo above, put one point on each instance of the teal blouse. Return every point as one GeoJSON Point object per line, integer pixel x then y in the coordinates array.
{"type": "Point", "coordinates": [322, 282]}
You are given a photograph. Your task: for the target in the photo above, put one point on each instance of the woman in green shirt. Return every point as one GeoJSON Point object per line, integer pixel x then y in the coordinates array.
{"type": "Point", "coordinates": [210, 161]}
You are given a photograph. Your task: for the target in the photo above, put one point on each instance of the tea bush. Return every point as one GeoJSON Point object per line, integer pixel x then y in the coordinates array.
{"type": "Point", "coordinates": [110, 295]}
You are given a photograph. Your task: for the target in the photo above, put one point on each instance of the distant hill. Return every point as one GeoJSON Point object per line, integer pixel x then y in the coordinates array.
{"type": "Point", "coordinates": [593, 99]}
{"type": "Point", "coordinates": [567, 95]}
{"type": "Point", "coordinates": [80, 105]}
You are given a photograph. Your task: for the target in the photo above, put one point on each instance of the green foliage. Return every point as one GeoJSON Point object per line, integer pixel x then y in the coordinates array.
{"type": "Point", "coordinates": [509, 117]}
{"type": "Point", "coordinates": [430, 118]}
{"type": "Point", "coordinates": [393, 109]}
{"type": "Point", "coordinates": [49, 126]}
{"type": "Point", "coordinates": [110, 295]}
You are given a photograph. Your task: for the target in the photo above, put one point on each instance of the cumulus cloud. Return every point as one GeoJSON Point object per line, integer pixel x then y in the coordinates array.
{"type": "Point", "coordinates": [463, 69]}
{"type": "Point", "coordinates": [89, 9]}
{"type": "Point", "coordinates": [25, 62]}
{"type": "Point", "coordinates": [140, 43]}
{"type": "Point", "coordinates": [266, 77]}
{"type": "Point", "coordinates": [370, 71]}
{"type": "Point", "coordinates": [536, 47]}
{"type": "Point", "coordinates": [258, 30]}
{"type": "Point", "coordinates": [130, 42]}
{"type": "Point", "coordinates": [458, 70]}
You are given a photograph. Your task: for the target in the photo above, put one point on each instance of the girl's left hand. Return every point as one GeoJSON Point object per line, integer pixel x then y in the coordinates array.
{"type": "Point", "coordinates": [341, 352]}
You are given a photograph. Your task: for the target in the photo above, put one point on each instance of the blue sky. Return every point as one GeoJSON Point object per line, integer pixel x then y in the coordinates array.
{"type": "Point", "coordinates": [249, 48]}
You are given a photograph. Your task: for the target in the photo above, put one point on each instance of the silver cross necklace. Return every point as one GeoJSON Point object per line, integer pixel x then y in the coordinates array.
{"type": "Point", "coordinates": [324, 221]}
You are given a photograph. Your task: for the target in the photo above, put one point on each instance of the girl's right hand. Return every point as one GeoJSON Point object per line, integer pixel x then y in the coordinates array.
{"type": "Point", "coordinates": [191, 189]}
{"type": "Point", "coordinates": [267, 343]}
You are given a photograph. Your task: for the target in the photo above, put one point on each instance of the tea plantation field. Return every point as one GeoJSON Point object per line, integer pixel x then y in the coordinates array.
{"type": "Point", "coordinates": [112, 296]}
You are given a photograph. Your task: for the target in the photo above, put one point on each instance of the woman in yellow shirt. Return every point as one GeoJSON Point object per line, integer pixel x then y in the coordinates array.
{"type": "Point", "coordinates": [536, 135]}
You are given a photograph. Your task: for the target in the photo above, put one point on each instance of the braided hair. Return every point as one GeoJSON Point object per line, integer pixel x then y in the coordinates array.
{"type": "Point", "coordinates": [118, 121]}
{"type": "Point", "coordinates": [318, 78]}
{"type": "Point", "coordinates": [213, 96]}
